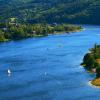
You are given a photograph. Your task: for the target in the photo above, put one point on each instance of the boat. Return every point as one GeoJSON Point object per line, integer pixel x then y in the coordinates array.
{"type": "Point", "coordinates": [9, 71]}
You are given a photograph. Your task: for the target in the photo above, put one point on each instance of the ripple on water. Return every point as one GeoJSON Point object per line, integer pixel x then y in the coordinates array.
{"type": "Point", "coordinates": [48, 68]}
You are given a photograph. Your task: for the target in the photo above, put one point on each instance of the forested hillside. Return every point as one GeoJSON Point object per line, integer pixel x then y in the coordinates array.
{"type": "Point", "coordinates": [71, 11]}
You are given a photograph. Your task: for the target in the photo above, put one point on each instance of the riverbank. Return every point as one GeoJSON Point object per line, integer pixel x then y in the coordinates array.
{"type": "Point", "coordinates": [91, 84]}
{"type": "Point", "coordinates": [96, 82]}
{"type": "Point", "coordinates": [16, 31]}
{"type": "Point", "coordinates": [91, 62]}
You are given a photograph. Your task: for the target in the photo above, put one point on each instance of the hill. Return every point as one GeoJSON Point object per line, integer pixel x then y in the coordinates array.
{"type": "Point", "coordinates": [51, 11]}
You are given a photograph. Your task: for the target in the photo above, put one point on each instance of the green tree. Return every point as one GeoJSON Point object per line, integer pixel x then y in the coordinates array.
{"type": "Point", "coordinates": [98, 72]}
{"type": "Point", "coordinates": [2, 36]}
{"type": "Point", "coordinates": [89, 61]}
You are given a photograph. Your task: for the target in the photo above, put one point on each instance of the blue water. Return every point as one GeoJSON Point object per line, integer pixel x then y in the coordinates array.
{"type": "Point", "coordinates": [48, 68]}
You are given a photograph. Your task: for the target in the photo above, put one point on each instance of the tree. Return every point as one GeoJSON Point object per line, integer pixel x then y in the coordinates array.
{"type": "Point", "coordinates": [18, 33]}
{"type": "Point", "coordinates": [98, 72]}
{"type": "Point", "coordinates": [89, 61]}
{"type": "Point", "coordinates": [2, 37]}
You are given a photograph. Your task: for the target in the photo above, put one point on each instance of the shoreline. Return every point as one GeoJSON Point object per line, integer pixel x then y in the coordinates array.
{"type": "Point", "coordinates": [90, 84]}
{"type": "Point", "coordinates": [91, 62]}
{"type": "Point", "coordinates": [36, 36]}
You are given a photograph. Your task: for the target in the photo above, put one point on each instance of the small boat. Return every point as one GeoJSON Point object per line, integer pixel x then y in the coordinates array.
{"type": "Point", "coordinates": [9, 71]}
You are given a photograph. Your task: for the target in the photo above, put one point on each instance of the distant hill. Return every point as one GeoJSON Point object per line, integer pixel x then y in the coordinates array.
{"type": "Point", "coordinates": [51, 11]}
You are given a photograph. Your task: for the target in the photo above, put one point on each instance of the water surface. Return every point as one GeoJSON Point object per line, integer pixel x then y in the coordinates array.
{"type": "Point", "coordinates": [48, 68]}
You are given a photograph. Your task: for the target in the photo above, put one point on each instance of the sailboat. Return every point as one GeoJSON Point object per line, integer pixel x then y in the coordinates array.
{"type": "Point", "coordinates": [9, 71]}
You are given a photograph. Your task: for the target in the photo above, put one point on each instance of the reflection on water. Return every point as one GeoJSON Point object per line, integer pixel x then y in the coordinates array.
{"type": "Point", "coordinates": [48, 68]}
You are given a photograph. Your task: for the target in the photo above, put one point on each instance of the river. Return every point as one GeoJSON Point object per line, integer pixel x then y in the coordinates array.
{"type": "Point", "coordinates": [48, 68]}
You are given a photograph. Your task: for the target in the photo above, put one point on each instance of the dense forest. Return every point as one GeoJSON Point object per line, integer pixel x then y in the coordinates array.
{"type": "Point", "coordinates": [50, 11]}
{"type": "Point", "coordinates": [13, 30]}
